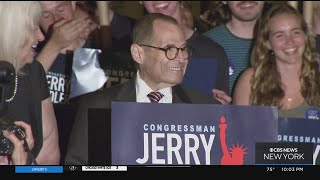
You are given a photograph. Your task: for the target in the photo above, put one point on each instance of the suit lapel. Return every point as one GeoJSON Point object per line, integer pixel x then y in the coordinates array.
{"type": "Point", "coordinates": [179, 95]}
{"type": "Point", "coordinates": [128, 91]}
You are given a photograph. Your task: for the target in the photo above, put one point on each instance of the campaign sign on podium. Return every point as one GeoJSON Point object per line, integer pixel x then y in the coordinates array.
{"type": "Point", "coordinates": [189, 134]}
{"type": "Point", "coordinates": [302, 131]}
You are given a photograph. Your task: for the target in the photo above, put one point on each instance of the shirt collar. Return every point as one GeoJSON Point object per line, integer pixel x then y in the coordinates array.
{"type": "Point", "coordinates": [142, 90]}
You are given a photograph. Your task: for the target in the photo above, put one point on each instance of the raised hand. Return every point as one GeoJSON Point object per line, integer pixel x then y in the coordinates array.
{"type": "Point", "coordinates": [65, 32]}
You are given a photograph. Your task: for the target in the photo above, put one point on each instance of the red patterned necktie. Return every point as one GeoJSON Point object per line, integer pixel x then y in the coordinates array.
{"type": "Point", "coordinates": [155, 97]}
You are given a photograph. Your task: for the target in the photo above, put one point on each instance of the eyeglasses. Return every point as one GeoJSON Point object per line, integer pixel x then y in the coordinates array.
{"type": "Point", "coordinates": [172, 52]}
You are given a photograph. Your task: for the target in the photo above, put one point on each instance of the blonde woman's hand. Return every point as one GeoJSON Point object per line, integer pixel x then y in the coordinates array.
{"type": "Point", "coordinates": [19, 155]}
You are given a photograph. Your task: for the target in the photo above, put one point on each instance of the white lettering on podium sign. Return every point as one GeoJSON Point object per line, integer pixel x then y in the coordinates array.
{"type": "Point", "coordinates": [190, 151]}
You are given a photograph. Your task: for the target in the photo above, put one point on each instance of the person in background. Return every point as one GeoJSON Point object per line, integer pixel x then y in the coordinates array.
{"type": "Point", "coordinates": [214, 15]}
{"type": "Point", "coordinates": [187, 16]}
{"type": "Point", "coordinates": [161, 53]}
{"type": "Point", "coordinates": [236, 36]}
{"type": "Point", "coordinates": [64, 33]}
{"type": "Point", "coordinates": [114, 40]}
{"type": "Point", "coordinates": [285, 71]}
{"type": "Point", "coordinates": [27, 96]}
{"type": "Point", "coordinates": [316, 24]}
{"type": "Point", "coordinates": [86, 9]}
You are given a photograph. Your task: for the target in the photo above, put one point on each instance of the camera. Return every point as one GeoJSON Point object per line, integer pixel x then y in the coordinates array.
{"type": "Point", "coordinates": [6, 146]}
{"type": "Point", "coordinates": [7, 74]}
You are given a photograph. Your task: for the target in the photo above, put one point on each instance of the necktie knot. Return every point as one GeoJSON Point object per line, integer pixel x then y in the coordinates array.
{"type": "Point", "coordinates": [155, 97]}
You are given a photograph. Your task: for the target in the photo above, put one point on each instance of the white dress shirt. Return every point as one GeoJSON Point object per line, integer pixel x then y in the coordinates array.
{"type": "Point", "coordinates": [142, 90]}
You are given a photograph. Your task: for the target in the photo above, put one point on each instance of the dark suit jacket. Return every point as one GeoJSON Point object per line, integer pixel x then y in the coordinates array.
{"type": "Point", "coordinates": [77, 152]}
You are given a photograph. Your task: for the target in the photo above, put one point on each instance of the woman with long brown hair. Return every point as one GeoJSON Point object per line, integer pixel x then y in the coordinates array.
{"type": "Point", "coordinates": [285, 69]}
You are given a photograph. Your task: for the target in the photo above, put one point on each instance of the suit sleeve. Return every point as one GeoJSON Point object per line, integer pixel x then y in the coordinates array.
{"type": "Point", "coordinates": [77, 151]}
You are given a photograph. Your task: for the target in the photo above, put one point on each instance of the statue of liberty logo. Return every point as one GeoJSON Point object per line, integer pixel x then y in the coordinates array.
{"type": "Point", "coordinates": [236, 154]}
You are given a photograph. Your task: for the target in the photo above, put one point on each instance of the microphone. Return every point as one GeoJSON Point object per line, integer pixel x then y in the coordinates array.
{"type": "Point", "coordinates": [7, 75]}
{"type": "Point", "coordinates": [7, 72]}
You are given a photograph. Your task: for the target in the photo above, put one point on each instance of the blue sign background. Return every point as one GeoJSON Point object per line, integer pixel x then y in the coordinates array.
{"type": "Point", "coordinates": [245, 126]}
{"type": "Point", "coordinates": [201, 75]}
{"type": "Point", "coordinates": [300, 130]}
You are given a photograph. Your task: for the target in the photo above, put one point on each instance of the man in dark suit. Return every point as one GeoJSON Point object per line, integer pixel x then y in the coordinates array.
{"type": "Point", "coordinates": [160, 50]}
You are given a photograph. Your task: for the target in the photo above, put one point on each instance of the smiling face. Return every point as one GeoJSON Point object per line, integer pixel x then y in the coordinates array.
{"type": "Point", "coordinates": [28, 52]}
{"type": "Point", "coordinates": [286, 38]}
{"type": "Point", "coordinates": [168, 8]}
{"type": "Point", "coordinates": [155, 68]}
{"type": "Point", "coordinates": [245, 10]}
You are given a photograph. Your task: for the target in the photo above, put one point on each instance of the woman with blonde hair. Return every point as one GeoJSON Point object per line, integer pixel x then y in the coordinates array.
{"type": "Point", "coordinates": [27, 96]}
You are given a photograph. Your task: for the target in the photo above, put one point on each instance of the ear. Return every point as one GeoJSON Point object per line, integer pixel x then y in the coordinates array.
{"type": "Point", "coordinates": [137, 53]}
{"type": "Point", "coordinates": [73, 5]}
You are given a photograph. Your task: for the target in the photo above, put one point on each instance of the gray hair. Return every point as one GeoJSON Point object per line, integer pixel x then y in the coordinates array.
{"type": "Point", "coordinates": [143, 30]}
{"type": "Point", "coordinates": [17, 20]}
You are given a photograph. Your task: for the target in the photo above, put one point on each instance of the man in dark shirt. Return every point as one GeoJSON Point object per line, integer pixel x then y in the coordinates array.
{"type": "Point", "coordinates": [64, 33]}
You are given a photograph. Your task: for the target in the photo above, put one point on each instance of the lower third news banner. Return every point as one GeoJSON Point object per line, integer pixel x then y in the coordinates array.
{"type": "Point", "coordinates": [189, 134]}
{"type": "Point", "coordinates": [282, 153]}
